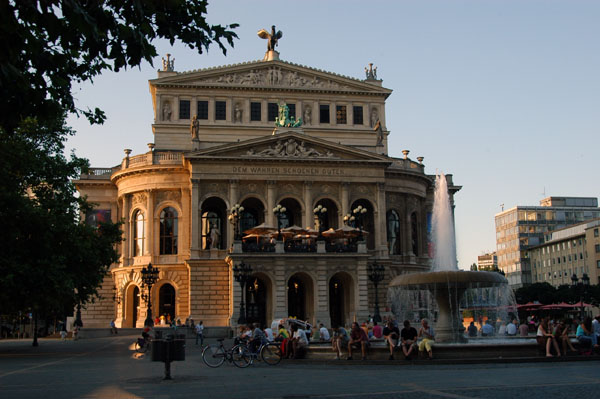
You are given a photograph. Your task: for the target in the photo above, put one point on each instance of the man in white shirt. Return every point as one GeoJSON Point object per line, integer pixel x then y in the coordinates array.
{"type": "Point", "coordinates": [269, 334]}
{"type": "Point", "coordinates": [324, 333]}
{"type": "Point", "coordinates": [200, 333]}
{"type": "Point", "coordinates": [511, 328]}
{"type": "Point", "coordinates": [297, 343]}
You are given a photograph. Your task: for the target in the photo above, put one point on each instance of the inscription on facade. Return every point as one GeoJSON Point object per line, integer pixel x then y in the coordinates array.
{"type": "Point", "coordinates": [287, 170]}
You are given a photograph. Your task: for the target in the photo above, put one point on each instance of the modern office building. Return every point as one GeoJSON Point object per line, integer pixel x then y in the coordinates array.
{"type": "Point", "coordinates": [573, 250]}
{"type": "Point", "coordinates": [487, 261]}
{"type": "Point", "coordinates": [523, 227]}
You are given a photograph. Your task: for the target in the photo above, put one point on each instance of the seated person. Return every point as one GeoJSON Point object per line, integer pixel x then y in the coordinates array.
{"type": "Point", "coordinates": [282, 333]}
{"type": "Point", "coordinates": [585, 336]}
{"type": "Point", "coordinates": [428, 335]}
{"type": "Point", "coordinates": [377, 331]}
{"type": "Point", "coordinates": [472, 329]}
{"type": "Point", "coordinates": [340, 340]}
{"type": "Point", "coordinates": [561, 334]}
{"type": "Point", "coordinates": [324, 333]}
{"type": "Point", "coordinates": [244, 335]}
{"type": "Point", "coordinates": [358, 337]}
{"type": "Point", "coordinates": [298, 343]}
{"type": "Point", "coordinates": [546, 339]}
{"type": "Point", "coordinates": [511, 328]}
{"type": "Point", "coordinates": [391, 335]}
{"type": "Point", "coordinates": [409, 339]}
{"type": "Point", "coordinates": [487, 330]}
{"type": "Point", "coordinates": [269, 334]}
{"type": "Point", "coordinates": [524, 329]}
{"type": "Point", "coordinates": [257, 338]}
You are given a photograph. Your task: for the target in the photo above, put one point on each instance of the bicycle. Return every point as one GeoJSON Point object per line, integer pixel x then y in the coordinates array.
{"type": "Point", "coordinates": [270, 353]}
{"type": "Point", "coordinates": [142, 345]}
{"type": "Point", "coordinates": [215, 355]}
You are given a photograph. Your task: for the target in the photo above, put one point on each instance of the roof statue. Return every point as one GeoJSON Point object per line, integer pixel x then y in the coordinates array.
{"type": "Point", "coordinates": [168, 64]}
{"type": "Point", "coordinates": [272, 37]}
{"type": "Point", "coordinates": [371, 72]}
{"type": "Point", "coordinates": [284, 119]}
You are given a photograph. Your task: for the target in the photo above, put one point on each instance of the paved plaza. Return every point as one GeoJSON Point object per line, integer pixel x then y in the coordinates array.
{"type": "Point", "coordinates": [107, 368]}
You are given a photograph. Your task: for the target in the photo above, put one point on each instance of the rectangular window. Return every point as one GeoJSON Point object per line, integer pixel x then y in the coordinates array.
{"type": "Point", "coordinates": [595, 232]}
{"type": "Point", "coordinates": [597, 246]}
{"type": "Point", "coordinates": [255, 111]}
{"type": "Point", "coordinates": [324, 113]}
{"type": "Point", "coordinates": [598, 264]}
{"type": "Point", "coordinates": [220, 110]}
{"type": "Point", "coordinates": [184, 109]}
{"type": "Point", "coordinates": [292, 109]}
{"type": "Point", "coordinates": [202, 109]}
{"type": "Point", "coordinates": [272, 111]}
{"type": "Point", "coordinates": [357, 113]}
{"type": "Point", "coordinates": [340, 114]}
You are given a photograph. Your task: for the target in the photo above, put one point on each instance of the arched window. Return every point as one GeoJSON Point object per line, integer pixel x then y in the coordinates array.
{"type": "Point", "coordinates": [168, 231]}
{"type": "Point", "coordinates": [253, 214]}
{"type": "Point", "coordinates": [213, 213]}
{"type": "Point", "coordinates": [139, 233]}
{"type": "Point", "coordinates": [414, 232]}
{"type": "Point", "coordinates": [393, 232]}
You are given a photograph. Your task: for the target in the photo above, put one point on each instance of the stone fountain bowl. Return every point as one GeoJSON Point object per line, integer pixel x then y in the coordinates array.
{"type": "Point", "coordinates": [460, 279]}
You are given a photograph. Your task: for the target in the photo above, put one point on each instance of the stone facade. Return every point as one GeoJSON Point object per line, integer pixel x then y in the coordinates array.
{"type": "Point", "coordinates": [215, 146]}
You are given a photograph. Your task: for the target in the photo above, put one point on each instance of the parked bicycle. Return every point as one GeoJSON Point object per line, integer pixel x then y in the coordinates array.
{"type": "Point", "coordinates": [142, 345]}
{"type": "Point", "coordinates": [270, 353]}
{"type": "Point", "coordinates": [215, 355]}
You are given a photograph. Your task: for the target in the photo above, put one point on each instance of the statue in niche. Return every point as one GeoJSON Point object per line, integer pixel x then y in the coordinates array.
{"type": "Point", "coordinates": [272, 38]}
{"type": "Point", "coordinates": [215, 235]}
{"type": "Point", "coordinates": [194, 127]}
{"type": "Point", "coordinates": [374, 116]}
{"type": "Point", "coordinates": [237, 113]}
{"type": "Point", "coordinates": [166, 111]}
{"type": "Point", "coordinates": [379, 130]}
{"type": "Point", "coordinates": [307, 115]}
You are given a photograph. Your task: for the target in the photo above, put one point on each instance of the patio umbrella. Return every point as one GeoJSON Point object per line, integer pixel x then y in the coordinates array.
{"type": "Point", "coordinates": [257, 236]}
{"type": "Point", "coordinates": [261, 229]}
{"type": "Point", "coordinates": [331, 233]}
{"type": "Point", "coordinates": [294, 229]}
{"type": "Point", "coordinates": [580, 304]}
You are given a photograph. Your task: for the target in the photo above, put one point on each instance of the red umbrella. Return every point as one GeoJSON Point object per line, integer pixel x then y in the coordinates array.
{"type": "Point", "coordinates": [580, 304]}
{"type": "Point", "coordinates": [530, 305]}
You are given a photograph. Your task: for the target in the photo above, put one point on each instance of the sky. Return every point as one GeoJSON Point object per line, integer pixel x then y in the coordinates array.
{"type": "Point", "coordinates": [504, 95]}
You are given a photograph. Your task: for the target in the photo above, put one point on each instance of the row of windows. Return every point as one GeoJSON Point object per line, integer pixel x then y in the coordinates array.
{"type": "Point", "coordinates": [272, 112]}
{"type": "Point", "coordinates": [558, 260]}
{"type": "Point", "coordinates": [562, 273]}
{"type": "Point", "coordinates": [167, 236]}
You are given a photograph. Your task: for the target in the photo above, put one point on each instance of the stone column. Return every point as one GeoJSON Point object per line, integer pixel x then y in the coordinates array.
{"type": "Point", "coordinates": [280, 309]}
{"type": "Point", "coordinates": [308, 209]}
{"type": "Point", "coordinates": [195, 228]}
{"type": "Point", "coordinates": [362, 290]}
{"type": "Point", "coordinates": [380, 243]}
{"type": "Point", "coordinates": [125, 244]}
{"type": "Point", "coordinates": [185, 223]}
{"type": "Point", "coordinates": [270, 216]}
{"type": "Point", "coordinates": [344, 200]}
{"type": "Point", "coordinates": [149, 250]}
{"type": "Point", "coordinates": [322, 294]}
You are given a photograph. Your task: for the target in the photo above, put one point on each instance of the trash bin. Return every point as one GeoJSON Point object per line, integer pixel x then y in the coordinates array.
{"type": "Point", "coordinates": [158, 350]}
{"type": "Point", "coordinates": [177, 350]}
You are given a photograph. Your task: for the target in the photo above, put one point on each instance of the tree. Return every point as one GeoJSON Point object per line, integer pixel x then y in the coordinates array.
{"type": "Point", "coordinates": [51, 260]}
{"type": "Point", "coordinates": [474, 267]}
{"type": "Point", "coordinates": [542, 292]}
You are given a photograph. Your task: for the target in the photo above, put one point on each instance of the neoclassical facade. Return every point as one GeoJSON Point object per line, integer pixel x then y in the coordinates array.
{"type": "Point", "coordinates": [215, 146]}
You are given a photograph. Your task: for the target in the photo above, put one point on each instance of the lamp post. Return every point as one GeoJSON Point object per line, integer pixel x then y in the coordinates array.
{"type": "Point", "coordinates": [149, 277]}
{"type": "Point", "coordinates": [581, 289]}
{"type": "Point", "coordinates": [279, 211]}
{"type": "Point", "coordinates": [358, 214]}
{"type": "Point", "coordinates": [234, 219]}
{"type": "Point", "coordinates": [376, 273]}
{"type": "Point", "coordinates": [349, 220]}
{"type": "Point", "coordinates": [320, 212]}
{"type": "Point", "coordinates": [241, 274]}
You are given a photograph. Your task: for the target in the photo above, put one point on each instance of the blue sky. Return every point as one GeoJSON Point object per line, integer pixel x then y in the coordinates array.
{"type": "Point", "coordinates": [504, 95]}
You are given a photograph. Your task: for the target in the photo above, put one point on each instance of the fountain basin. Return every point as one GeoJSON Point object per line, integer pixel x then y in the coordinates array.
{"type": "Point", "coordinates": [448, 288]}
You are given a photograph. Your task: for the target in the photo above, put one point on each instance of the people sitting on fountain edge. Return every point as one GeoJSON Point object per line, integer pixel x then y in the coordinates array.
{"type": "Point", "coordinates": [428, 338]}
{"type": "Point", "coordinates": [472, 329]}
{"type": "Point", "coordinates": [487, 330]}
{"type": "Point", "coordinates": [409, 339]}
{"type": "Point", "coordinates": [512, 327]}
{"type": "Point", "coordinates": [545, 337]}
{"type": "Point", "coordinates": [585, 335]}
{"type": "Point", "coordinates": [358, 338]}
{"type": "Point", "coordinates": [391, 334]}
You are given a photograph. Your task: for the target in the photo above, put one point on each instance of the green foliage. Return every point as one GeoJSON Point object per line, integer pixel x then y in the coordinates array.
{"type": "Point", "coordinates": [46, 45]}
{"type": "Point", "coordinates": [547, 294]}
{"type": "Point", "coordinates": [474, 267]}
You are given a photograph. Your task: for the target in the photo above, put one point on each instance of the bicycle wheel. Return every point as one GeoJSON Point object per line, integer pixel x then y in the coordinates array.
{"type": "Point", "coordinates": [139, 347]}
{"type": "Point", "coordinates": [240, 356]}
{"type": "Point", "coordinates": [271, 354]}
{"type": "Point", "coordinates": [213, 355]}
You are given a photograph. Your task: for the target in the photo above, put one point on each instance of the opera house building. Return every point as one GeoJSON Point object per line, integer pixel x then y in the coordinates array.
{"type": "Point", "coordinates": [268, 191]}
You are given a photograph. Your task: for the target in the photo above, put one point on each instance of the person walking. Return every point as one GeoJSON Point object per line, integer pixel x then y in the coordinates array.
{"type": "Point", "coordinates": [200, 333]}
{"type": "Point", "coordinates": [113, 327]}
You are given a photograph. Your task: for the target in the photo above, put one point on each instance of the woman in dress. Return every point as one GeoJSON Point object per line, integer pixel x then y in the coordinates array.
{"type": "Point", "coordinates": [545, 335]}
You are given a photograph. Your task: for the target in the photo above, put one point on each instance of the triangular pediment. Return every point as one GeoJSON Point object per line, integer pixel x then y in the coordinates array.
{"type": "Point", "coordinates": [271, 75]}
{"type": "Point", "coordinates": [291, 145]}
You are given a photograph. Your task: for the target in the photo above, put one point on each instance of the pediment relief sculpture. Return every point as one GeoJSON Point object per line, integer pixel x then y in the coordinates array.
{"type": "Point", "coordinates": [290, 148]}
{"type": "Point", "coordinates": [274, 76]}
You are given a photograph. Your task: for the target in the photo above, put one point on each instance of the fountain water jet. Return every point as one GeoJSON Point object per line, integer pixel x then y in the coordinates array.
{"type": "Point", "coordinates": [413, 294]}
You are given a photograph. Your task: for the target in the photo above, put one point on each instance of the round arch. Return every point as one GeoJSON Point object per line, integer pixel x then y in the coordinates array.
{"type": "Point", "coordinates": [293, 213]}
{"type": "Point", "coordinates": [300, 296]}
{"type": "Point", "coordinates": [253, 213]}
{"type": "Point", "coordinates": [332, 219]}
{"type": "Point", "coordinates": [368, 220]}
{"type": "Point", "coordinates": [213, 228]}
{"type": "Point", "coordinates": [131, 305]}
{"type": "Point", "coordinates": [259, 299]}
{"type": "Point", "coordinates": [341, 289]}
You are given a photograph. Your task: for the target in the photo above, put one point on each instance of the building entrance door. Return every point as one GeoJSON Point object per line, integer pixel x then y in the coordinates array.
{"type": "Point", "coordinates": [135, 304]}
{"type": "Point", "coordinates": [336, 302]}
{"type": "Point", "coordinates": [256, 298]}
{"type": "Point", "coordinates": [166, 301]}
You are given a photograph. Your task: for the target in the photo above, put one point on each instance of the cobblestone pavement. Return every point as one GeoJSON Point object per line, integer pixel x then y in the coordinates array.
{"type": "Point", "coordinates": [108, 368]}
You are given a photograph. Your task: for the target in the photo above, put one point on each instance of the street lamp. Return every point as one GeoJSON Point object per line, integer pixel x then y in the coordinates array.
{"type": "Point", "coordinates": [358, 213]}
{"type": "Point", "coordinates": [149, 277]}
{"type": "Point", "coordinates": [581, 288]}
{"type": "Point", "coordinates": [349, 220]}
{"type": "Point", "coordinates": [320, 212]}
{"type": "Point", "coordinates": [279, 211]}
{"type": "Point", "coordinates": [234, 219]}
{"type": "Point", "coordinates": [241, 274]}
{"type": "Point", "coordinates": [376, 273]}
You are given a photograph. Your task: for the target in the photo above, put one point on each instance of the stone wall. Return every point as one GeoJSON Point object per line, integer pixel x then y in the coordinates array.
{"type": "Point", "coordinates": [210, 291]}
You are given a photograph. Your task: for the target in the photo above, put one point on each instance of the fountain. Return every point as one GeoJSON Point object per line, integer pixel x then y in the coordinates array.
{"type": "Point", "coordinates": [441, 293]}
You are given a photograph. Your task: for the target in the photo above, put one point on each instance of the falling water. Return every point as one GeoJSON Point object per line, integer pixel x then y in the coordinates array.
{"type": "Point", "coordinates": [443, 228]}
